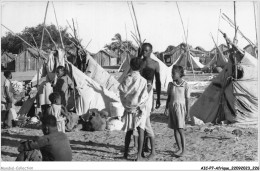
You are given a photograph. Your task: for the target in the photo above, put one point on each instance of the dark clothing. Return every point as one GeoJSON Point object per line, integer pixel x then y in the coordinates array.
{"type": "Point", "coordinates": [33, 155]}
{"type": "Point", "coordinates": [63, 86]}
{"type": "Point", "coordinates": [53, 147]}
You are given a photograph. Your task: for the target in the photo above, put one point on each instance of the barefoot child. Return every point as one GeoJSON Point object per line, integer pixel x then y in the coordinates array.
{"type": "Point", "coordinates": [57, 110]}
{"type": "Point", "coordinates": [133, 95]}
{"type": "Point", "coordinates": [177, 103]}
{"type": "Point", "coordinates": [8, 95]}
{"type": "Point", "coordinates": [63, 85]}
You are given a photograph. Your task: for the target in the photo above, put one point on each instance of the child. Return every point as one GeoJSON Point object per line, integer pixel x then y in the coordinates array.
{"type": "Point", "coordinates": [8, 96]}
{"type": "Point", "coordinates": [133, 95]}
{"type": "Point", "coordinates": [57, 110]}
{"type": "Point", "coordinates": [63, 85]}
{"type": "Point", "coordinates": [177, 103]}
{"type": "Point", "coordinates": [53, 146]}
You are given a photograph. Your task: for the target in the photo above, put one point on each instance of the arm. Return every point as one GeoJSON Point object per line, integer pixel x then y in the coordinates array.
{"type": "Point", "coordinates": [169, 96]}
{"type": "Point", "coordinates": [70, 83]}
{"type": "Point", "coordinates": [8, 94]}
{"type": "Point", "coordinates": [6, 89]}
{"type": "Point", "coordinates": [187, 100]}
{"type": "Point", "coordinates": [35, 144]}
{"type": "Point", "coordinates": [158, 85]}
{"type": "Point", "coordinates": [64, 111]}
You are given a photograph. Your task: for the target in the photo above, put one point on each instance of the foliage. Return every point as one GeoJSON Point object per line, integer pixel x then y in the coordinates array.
{"type": "Point", "coordinates": [119, 46]}
{"type": "Point", "coordinates": [13, 44]}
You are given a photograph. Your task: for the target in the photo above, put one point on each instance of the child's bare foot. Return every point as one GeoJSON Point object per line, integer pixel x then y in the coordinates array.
{"type": "Point", "coordinates": [177, 152]}
{"type": "Point", "coordinates": [181, 154]}
{"type": "Point", "coordinates": [125, 155]}
{"type": "Point", "coordinates": [151, 156]}
{"type": "Point", "coordinates": [140, 158]}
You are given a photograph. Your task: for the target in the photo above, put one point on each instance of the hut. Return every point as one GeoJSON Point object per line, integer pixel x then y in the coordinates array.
{"type": "Point", "coordinates": [8, 61]}
{"type": "Point", "coordinates": [26, 60]}
{"type": "Point", "coordinates": [106, 58]}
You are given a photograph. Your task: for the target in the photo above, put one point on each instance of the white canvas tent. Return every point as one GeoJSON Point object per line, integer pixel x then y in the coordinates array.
{"type": "Point", "coordinates": [191, 60]}
{"type": "Point", "coordinates": [90, 94]}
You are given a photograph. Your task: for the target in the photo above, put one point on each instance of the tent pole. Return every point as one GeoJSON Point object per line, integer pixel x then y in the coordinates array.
{"type": "Point", "coordinates": [136, 23]}
{"type": "Point", "coordinates": [231, 23]}
{"type": "Point", "coordinates": [235, 39]}
{"type": "Point", "coordinates": [38, 59]}
{"type": "Point", "coordinates": [255, 24]}
{"type": "Point", "coordinates": [218, 25]}
{"type": "Point", "coordinates": [58, 26]}
{"type": "Point", "coordinates": [19, 37]}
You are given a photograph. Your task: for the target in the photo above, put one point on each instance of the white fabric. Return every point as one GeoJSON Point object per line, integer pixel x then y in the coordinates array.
{"type": "Point", "coordinates": [44, 91]}
{"type": "Point", "coordinates": [114, 124]}
{"type": "Point", "coordinates": [194, 61]}
{"type": "Point", "coordinates": [12, 115]}
{"type": "Point", "coordinates": [165, 73]}
{"type": "Point", "coordinates": [91, 94]}
{"type": "Point", "coordinates": [8, 84]}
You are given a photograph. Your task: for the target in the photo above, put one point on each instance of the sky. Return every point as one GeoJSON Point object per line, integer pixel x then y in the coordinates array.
{"type": "Point", "coordinates": [159, 22]}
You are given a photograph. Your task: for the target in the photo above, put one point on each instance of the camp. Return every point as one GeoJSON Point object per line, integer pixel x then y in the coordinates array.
{"type": "Point", "coordinates": [130, 81]}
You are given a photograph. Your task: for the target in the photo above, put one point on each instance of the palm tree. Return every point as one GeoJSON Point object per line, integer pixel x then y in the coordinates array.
{"type": "Point", "coordinates": [119, 46]}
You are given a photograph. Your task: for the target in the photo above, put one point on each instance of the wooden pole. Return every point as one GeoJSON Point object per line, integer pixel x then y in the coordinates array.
{"type": "Point", "coordinates": [218, 24]}
{"type": "Point", "coordinates": [51, 38]}
{"type": "Point", "coordinates": [235, 24]}
{"type": "Point", "coordinates": [136, 23]}
{"type": "Point", "coordinates": [255, 24]}
{"type": "Point", "coordinates": [38, 59]}
{"type": "Point", "coordinates": [19, 37]}
{"type": "Point", "coordinates": [182, 27]}
{"type": "Point", "coordinates": [231, 23]}
{"type": "Point", "coordinates": [132, 18]}
{"type": "Point", "coordinates": [58, 26]}
{"type": "Point", "coordinates": [235, 40]}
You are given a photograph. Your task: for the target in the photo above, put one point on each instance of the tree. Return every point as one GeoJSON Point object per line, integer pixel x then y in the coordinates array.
{"type": "Point", "coordinates": [13, 44]}
{"type": "Point", "coordinates": [119, 46]}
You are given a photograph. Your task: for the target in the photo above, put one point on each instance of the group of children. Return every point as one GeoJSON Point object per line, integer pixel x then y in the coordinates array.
{"type": "Point", "coordinates": [134, 94]}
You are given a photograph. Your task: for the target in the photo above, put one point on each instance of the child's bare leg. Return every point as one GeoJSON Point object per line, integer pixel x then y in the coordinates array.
{"type": "Point", "coordinates": [136, 141]}
{"type": "Point", "coordinates": [181, 132]}
{"type": "Point", "coordinates": [140, 144]}
{"type": "Point", "coordinates": [152, 143]}
{"type": "Point", "coordinates": [178, 141]}
{"type": "Point", "coordinates": [127, 142]}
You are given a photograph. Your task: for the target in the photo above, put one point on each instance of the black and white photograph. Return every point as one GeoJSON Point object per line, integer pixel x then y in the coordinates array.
{"type": "Point", "coordinates": [165, 85]}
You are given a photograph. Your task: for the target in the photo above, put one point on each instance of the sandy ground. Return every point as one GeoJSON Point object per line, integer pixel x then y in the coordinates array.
{"type": "Point", "coordinates": [219, 145]}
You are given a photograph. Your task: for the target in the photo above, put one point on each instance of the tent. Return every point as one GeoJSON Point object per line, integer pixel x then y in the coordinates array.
{"type": "Point", "coordinates": [191, 61]}
{"type": "Point", "coordinates": [93, 70]}
{"type": "Point", "coordinates": [106, 58]}
{"type": "Point", "coordinates": [89, 94]}
{"type": "Point", "coordinates": [219, 59]}
{"type": "Point", "coordinates": [227, 99]}
{"type": "Point", "coordinates": [8, 61]}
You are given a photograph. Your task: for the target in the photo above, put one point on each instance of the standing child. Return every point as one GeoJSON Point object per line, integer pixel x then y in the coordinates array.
{"type": "Point", "coordinates": [63, 85]}
{"type": "Point", "coordinates": [8, 96]}
{"type": "Point", "coordinates": [57, 110]}
{"type": "Point", "coordinates": [177, 103]}
{"type": "Point", "coordinates": [133, 95]}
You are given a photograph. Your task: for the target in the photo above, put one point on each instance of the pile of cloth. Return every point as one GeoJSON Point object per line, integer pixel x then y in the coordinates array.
{"type": "Point", "coordinates": [18, 87]}
{"type": "Point", "coordinates": [96, 120]}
